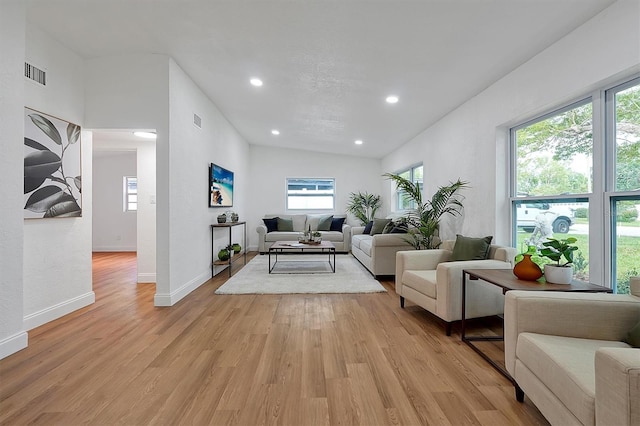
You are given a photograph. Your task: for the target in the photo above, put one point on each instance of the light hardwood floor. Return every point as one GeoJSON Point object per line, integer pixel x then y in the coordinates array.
{"type": "Point", "coordinates": [334, 359]}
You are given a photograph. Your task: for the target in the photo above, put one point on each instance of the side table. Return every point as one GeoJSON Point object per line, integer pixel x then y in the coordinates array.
{"type": "Point", "coordinates": [229, 226]}
{"type": "Point", "coordinates": [505, 279]}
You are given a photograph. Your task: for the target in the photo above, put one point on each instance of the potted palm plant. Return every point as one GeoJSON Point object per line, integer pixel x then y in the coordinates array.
{"type": "Point", "coordinates": [425, 217]}
{"type": "Point", "coordinates": [363, 206]}
{"type": "Point", "coordinates": [561, 252]}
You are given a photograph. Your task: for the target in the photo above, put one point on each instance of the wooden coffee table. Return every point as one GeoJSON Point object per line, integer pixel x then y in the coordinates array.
{"type": "Point", "coordinates": [505, 279]}
{"type": "Point", "coordinates": [296, 248]}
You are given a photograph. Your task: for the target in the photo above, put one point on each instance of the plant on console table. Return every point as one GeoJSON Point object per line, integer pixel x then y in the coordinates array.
{"type": "Point", "coordinates": [425, 217]}
{"type": "Point", "coordinates": [561, 252]}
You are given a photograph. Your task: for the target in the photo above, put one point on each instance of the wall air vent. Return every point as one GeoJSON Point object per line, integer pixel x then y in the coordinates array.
{"type": "Point", "coordinates": [35, 74]}
{"type": "Point", "coordinates": [197, 121]}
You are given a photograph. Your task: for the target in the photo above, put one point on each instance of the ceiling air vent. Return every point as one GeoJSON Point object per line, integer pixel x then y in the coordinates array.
{"type": "Point", "coordinates": [197, 121]}
{"type": "Point", "coordinates": [35, 74]}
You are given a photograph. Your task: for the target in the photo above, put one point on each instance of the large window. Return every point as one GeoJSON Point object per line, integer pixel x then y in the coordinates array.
{"type": "Point", "coordinates": [576, 172]}
{"type": "Point", "coordinates": [130, 199]}
{"type": "Point", "coordinates": [310, 193]}
{"type": "Point", "coordinates": [623, 199]}
{"type": "Point", "coordinates": [414, 174]}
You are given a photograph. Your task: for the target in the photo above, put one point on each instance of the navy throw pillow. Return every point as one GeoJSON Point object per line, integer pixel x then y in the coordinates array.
{"type": "Point", "coordinates": [336, 224]}
{"type": "Point", "coordinates": [367, 229]}
{"type": "Point", "coordinates": [271, 224]}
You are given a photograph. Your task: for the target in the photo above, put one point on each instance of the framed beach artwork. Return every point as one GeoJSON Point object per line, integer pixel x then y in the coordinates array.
{"type": "Point", "coordinates": [220, 186]}
{"type": "Point", "coordinates": [52, 167]}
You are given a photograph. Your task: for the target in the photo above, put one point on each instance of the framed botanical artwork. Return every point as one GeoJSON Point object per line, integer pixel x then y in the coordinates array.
{"type": "Point", "coordinates": [52, 167]}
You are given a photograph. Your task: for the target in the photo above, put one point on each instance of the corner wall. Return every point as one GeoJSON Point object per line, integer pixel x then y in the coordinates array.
{"type": "Point", "coordinates": [57, 252]}
{"type": "Point", "coordinates": [471, 142]}
{"type": "Point", "coordinates": [12, 52]}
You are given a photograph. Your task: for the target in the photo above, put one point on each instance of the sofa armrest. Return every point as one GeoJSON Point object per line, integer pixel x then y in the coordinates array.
{"type": "Point", "coordinates": [617, 386]}
{"type": "Point", "coordinates": [599, 316]}
{"type": "Point", "coordinates": [357, 230]}
{"type": "Point", "coordinates": [262, 230]}
{"type": "Point", "coordinates": [449, 289]}
{"type": "Point", "coordinates": [420, 260]}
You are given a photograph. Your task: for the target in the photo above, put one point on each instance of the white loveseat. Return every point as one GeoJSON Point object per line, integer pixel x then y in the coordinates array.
{"type": "Point", "coordinates": [429, 279]}
{"type": "Point", "coordinates": [566, 352]}
{"type": "Point", "coordinates": [301, 222]}
{"type": "Point", "coordinates": [377, 252]}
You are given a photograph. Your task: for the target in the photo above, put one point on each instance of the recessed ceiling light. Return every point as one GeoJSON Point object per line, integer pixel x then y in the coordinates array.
{"type": "Point", "coordinates": [392, 99]}
{"type": "Point", "coordinates": [275, 132]}
{"type": "Point", "coordinates": [358, 142]}
{"type": "Point", "coordinates": [256, 82]}
{"type": "Point", "coordinates": [146, 135]}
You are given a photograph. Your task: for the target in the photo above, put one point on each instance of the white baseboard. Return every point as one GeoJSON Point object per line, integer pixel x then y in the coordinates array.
{"type": "Point", "coordinates": [113, 248]}
{"type": "Point", "coordinates": [148, 277]}
{"type": "Point", "coordinates": [13, 344]}
{"type": "Point", "coordinates": [51, 313]}
{"type": "Point", "coordinates": [170, 299]}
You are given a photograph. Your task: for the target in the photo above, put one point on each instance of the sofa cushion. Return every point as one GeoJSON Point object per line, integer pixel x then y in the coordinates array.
{"type": "Point", "coordinates": [365, 246]}
{"type": "Point", "coordinates": [333, 236]}
{"type": "Point", "coordinates": [281, 236]}
{"type": "Point", "coordinates": [336, 224]}
{"type": "Point", "coordinates": [378, 226]}
{"type": "Point", "coordinates": [358, 238]}
{"type": "Point", "coordinates": [566, 366]}
{"type": "Point", "coordinates": [285, 225]}
{"type": "Point", "coordinates": [422, 281]}
{"type": "Point", "coordinates": [324, 224]}
{"type": "Point", "coordinates": [271, 224]}
{"type": "Point", "coordinates": [467, 248]}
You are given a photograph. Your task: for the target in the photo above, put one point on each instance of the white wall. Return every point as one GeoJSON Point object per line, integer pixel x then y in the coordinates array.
{"type": "Point", "coordinates": [113, 228]}
{"type": "Point", "coordinates": [191, 151]}
{"type": "Point", "coordinates": [57, 252]}
{"type": "Point", "coordinates": [270, 167]}
{"type": "Point", "coordinates": [471, 142]}
{"type": "Point", "coordinates": [12, 52]}
{"type": "Point", "coordinates": [131, 92]}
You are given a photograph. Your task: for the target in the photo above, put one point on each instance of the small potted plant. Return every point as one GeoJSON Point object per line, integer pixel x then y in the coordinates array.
{"type": "Point", "coordinates": [317, 236]}
{"type": "Point", "coordinates": [222, 218]}
{"type": "Point", "coordinates": [234, 217]}
{"type": "Point", "coordinates": [561, 252]}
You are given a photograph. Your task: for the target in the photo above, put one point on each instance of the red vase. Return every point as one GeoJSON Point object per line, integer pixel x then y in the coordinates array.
{"type": "Point", "coordinates": [526, 269]}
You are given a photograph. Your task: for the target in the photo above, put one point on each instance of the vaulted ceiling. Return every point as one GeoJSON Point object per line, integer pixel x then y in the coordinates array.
{"type": "Point", "coordinates": [326, 65]}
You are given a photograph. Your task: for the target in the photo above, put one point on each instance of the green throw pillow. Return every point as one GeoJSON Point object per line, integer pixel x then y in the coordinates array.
{"type": "Point", "coordinates": [633, 336]}
{"type": "Point", "coordinates": [285, 224]}
{"type": "Point", "coordinates": [324, 224]}
{"type": "Point", "coordinates": [467, 248]}
{"type": "Point", "coordinates": [378, 226]}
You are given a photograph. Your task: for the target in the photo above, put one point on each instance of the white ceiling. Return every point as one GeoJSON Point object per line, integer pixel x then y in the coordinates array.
{"type": "Point", "coordinates": [327, 65]}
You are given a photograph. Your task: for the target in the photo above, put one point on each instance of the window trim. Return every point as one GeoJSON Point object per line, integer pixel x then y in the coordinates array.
{"type": "Point", "coordinates": [397, 193]}
{"type": "Point", "coordinates": [126, 194]}
{"type": "Point", "coordinates": [286, 192]}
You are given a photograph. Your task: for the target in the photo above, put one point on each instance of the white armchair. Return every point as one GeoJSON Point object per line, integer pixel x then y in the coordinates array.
{"type": "Point", "coordinates": [566, 352]}
{"type": "Point", "coordinates": [428, 279]}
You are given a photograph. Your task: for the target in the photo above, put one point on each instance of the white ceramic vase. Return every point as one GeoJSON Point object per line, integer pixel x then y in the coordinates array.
{"type": "Point", "coordinates": [558, 274]}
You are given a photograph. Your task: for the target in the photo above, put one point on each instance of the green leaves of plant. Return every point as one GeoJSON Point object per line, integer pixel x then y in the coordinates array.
{"type": "Point", "coordinates": [557, 249]}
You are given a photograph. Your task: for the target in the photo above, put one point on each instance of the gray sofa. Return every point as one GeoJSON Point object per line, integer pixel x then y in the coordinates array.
{"type": "Point", "coordinates": [301, 222]}
{"type": "Point", "coordinates": [377, 252]}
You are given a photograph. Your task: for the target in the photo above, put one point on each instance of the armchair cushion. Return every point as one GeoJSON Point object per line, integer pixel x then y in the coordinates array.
{"type": "Point", "coordinates": [467, 248]}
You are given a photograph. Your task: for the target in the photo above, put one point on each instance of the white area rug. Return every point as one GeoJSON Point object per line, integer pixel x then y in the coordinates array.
{"type": "Point", "coordinates": [254, 278]}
